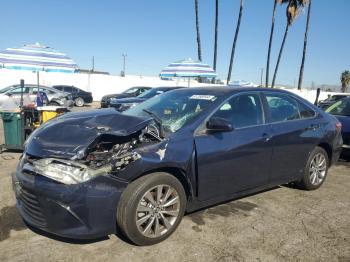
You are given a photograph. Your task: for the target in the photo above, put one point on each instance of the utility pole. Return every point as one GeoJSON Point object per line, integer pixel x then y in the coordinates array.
{"type": "Point", "coordinates": [124, 62]}
{"type": "Point", "coordinates": [261, 76]}
{"type": "Point", "coordinates": [93, 64]}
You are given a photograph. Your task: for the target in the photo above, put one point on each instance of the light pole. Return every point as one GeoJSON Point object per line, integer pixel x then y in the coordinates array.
{"type": "Point", "coordinates": [124, 62]}
{"type": "Point", "coordinates": [261, 77]}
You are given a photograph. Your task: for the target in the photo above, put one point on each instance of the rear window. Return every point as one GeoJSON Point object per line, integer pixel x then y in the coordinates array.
{"type": "Point", "coordinates": [282, 108]}
{"type": "Point", "coordinates": [285, 108]}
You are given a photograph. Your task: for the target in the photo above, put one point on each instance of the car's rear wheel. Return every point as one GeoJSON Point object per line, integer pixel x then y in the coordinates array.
{"type": "Point", "coordinates": [53, 103]}
{"type": "Point", "coordinates": [316, 169]}
{"type": "Point", "coordinates": [79, 102]}
{"type": "Point", "coordinates": [151, 208]}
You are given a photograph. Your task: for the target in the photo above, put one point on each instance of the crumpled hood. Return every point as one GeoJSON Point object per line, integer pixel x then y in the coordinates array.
{"type": "Point", "coordinates": [71, 134]}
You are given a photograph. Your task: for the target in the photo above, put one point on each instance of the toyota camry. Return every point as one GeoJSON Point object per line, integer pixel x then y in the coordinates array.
{"type": "Point", "coordinates": [90, 174]}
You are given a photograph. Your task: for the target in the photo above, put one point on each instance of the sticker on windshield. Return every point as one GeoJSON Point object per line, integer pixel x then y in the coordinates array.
{"type": "Point", "coordinates": [203, 97]}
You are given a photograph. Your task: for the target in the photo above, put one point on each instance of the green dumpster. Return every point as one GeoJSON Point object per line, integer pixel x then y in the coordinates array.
{"type": "Point", "coordinates": [13, 129]}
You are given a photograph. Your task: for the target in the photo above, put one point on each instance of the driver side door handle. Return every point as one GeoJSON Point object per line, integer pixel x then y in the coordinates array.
{"type": "Point", "coordinates": [266, 137]}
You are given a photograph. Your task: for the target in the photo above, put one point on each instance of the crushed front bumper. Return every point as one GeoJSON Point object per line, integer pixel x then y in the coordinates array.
{"type": "Point", "coordinates": [81, 211]}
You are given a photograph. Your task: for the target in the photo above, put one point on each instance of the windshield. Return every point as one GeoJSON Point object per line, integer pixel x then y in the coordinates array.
{"type": "Point", "coordinates": [335, 98]}
{"type": "Point", "coordinates": [341, 108]}
{"type": "Point", "coordinates": [151, 93]}
{"type": "Point", "coordinates": [130, 90]}
{"type": "Point", "coordinates": [5, 89]}
{"type": "Point", "coordinates": [175, 109]}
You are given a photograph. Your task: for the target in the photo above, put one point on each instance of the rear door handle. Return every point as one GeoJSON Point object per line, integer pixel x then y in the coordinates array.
{"type": "Point", "coordinates": [312, 127]}
{"type": "Point", "coordinates": [266, 137]}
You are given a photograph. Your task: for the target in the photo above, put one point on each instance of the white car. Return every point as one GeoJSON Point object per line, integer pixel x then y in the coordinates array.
{"type": "Point", "coordinates": [55, 96]}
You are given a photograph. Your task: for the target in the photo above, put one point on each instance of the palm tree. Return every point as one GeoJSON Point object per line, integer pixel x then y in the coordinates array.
{"type": "Point", "coordinates": [198, 34]}
{"type": "Point", "coordinates": [345, 80]}
{"type": "Point", "coordinates": [301, 73]}
{"type": "Point", "coordinates": [235, 41]}
{"type": "Point", "coordinates": [216, 33]}
{"type": "Point", "coordinates": [292, 12]}
{"type": "Point", "coordinates": [270, 42]}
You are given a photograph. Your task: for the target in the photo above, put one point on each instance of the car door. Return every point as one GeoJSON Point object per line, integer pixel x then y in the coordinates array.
{"type": "Point", "coordinates": [229, 162]}
{"type": "Point", "coordinates": [294, 130]}
{"type": "Point", "coordinates": [15, 94]}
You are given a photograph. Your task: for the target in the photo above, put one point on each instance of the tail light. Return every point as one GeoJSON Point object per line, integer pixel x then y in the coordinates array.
{"type": "Point", "coordinates": [338, 126]}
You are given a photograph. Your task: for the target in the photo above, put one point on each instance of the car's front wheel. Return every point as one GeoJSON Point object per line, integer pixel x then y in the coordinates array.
{"type": "Point", "coordinates": [151, 208]}
{"type": "Point", "coordinates": [316, 169]}
{"type": "Point", "coordinates": [79, 102]}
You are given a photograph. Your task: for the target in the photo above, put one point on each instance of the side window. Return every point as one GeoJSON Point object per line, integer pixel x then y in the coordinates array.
{"type": "Point", "coordinates": [17, 91]}
{"type": "Point", "coordinates": [242, 111]}
{"type": "Point", "coordinates": [282, 107]}
{"type": "Point", "coordinates": [305, 111]}
{"type": "Point", "coordinates": [68, 89]}
{"type": "Point", "coordinates": [58, 88]}
{"type": "Point", "coordinates": [47, 91]}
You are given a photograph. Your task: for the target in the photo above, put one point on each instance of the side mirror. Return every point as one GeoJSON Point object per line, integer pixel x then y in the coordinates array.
{"type": "Point", "coordinates": [218, 124]}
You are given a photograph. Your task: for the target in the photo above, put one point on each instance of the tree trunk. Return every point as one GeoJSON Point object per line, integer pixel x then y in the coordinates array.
{"type": "Point", "coordinates": [235, 42]}
{"type": "Point", "coordinates": [280, 55]}
{"type": "Point", "coordinates": [301, 73]}
{"type": "Point", "coordinates": [343, 88]}
{"type": "Point", "coordinates": [270, 44]}
{"type": "Point", "coordinates": [199, 48]}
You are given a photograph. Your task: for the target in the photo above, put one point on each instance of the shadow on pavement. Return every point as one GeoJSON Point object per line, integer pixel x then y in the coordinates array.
{"type": "Point", "coordinates": [9, 220]}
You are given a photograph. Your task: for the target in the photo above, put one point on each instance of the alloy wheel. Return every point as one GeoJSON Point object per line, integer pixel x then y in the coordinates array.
{"type": "Point", "coordinates": [157, 211]}
{"type": "Point", "coordinates": [318, 169]}
{"type": "Point", "coordinates": [79, 102]}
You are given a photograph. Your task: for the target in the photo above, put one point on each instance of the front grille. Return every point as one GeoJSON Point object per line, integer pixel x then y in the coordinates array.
{"type": "Point", "coordinates": [31, 206]}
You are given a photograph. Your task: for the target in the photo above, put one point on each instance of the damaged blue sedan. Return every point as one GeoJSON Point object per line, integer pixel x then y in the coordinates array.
{"type": "Point", "coordinates": [91, 174]}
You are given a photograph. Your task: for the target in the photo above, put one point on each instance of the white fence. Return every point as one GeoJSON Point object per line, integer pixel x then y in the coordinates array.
{"type": "Point", "coordinates": [101, 85]}
{"type": "Point", "coordinates": [98, 84]}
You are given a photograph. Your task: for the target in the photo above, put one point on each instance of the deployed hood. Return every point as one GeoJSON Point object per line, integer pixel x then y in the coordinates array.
{"type": "Point", "coordinates": [71, 135]}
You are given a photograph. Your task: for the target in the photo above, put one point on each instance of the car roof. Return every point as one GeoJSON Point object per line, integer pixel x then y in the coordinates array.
{"type": "Point", "coordinates": [31, 85]}
{"type": "Point", "coordinates": [231, 90]}
{"type": "Point", "coordinates": [167, 87]}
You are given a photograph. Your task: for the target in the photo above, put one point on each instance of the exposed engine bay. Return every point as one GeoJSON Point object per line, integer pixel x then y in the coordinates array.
{"type": "Point", "coordinates": [119, 151]}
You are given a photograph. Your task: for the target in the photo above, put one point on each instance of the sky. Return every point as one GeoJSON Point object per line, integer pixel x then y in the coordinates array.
{"type": "Point", "coordinates": [154, 33]}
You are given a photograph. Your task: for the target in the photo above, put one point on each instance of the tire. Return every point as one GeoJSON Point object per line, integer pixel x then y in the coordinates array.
{"type": "Point", "coordinates": [79, 102]}
{"type": "Point", "coordinates": [316, 169]}
{"type": "Point", "coordinates": [134, 206]}
{"type": "Point", "coordinates": [53, 103]}
{"type": "Point", "coordinates": [345, 155]}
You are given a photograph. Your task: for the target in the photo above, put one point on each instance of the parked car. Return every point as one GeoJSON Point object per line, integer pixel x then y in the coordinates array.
{"type": "Point", "coordinates": [123, 104]}
{"type": "Point", "coordinates": [131, 92]}
{"type": "Point", "coordinates": [80, 97]}
{"type": "Point", "coordinates": [331, 100]}
{"type": "Point", "coordinates": [83, 174]}
{"type": "Point", "coordinates": [341, 110]}
{"type": "Point", "coordinates": [55, 96]}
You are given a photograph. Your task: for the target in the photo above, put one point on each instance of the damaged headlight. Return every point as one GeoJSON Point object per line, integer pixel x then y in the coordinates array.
{"type": "Point", "coordinates": [66, 172]}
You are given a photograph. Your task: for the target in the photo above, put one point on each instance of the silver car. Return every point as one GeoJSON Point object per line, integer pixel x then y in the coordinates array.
{"type": "Point", "coordinates": [55, 96]}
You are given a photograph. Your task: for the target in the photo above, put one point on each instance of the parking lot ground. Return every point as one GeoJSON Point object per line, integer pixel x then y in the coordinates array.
{"type": "Point", "coordinates": [281, 224]}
